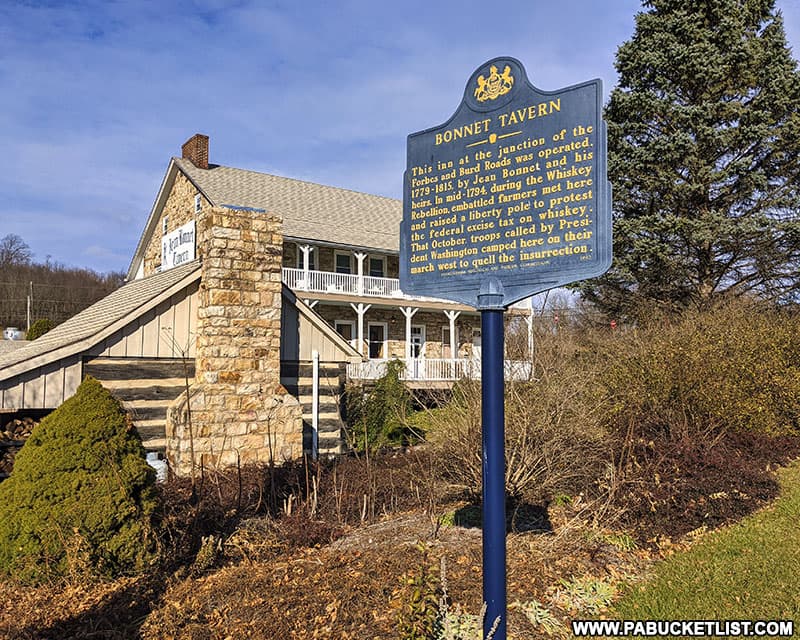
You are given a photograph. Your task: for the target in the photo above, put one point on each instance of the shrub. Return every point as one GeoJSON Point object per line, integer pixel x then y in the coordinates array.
{"type": "Point", "coordinates": [379, 417]}
{"type": "Point", "coordinates": [734, 367]}
{"type": "Point", "coordinates": [555, 441]}
{"type": "Point", "coordinates": [699, 404]}
{"type": "Point", "coordinates": [80, 486]}
{"type": "Point", "coordinates": [683, 485]}
{"type": "Point", "coordinates": [39, 328]}
{"type": "Point", "coordinates": [417, 601]}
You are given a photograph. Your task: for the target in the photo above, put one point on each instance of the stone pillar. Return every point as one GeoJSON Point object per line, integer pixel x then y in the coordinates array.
{"type": "Point", "coordinates": [237, 410]}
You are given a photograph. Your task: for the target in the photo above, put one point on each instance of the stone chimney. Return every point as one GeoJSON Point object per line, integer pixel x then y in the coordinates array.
{"type": "Point", "coordinates": [236, 411]}
{"type": "Point", "coordinates": [195, 149]}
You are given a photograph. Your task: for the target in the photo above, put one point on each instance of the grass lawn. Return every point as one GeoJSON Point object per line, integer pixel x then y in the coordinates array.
{"type": "Point", "coordinates": [750, 571]}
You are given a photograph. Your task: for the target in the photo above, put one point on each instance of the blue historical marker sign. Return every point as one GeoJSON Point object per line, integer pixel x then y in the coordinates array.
{"type": "Point", "coordinates": [512, 189]}
{"type": "Point", "coordinates": [507, 198]}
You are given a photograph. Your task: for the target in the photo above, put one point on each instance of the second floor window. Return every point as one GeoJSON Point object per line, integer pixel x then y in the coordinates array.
{"type": "Point", "coordinates": [377, 267]}
{"type": "Point", "coordinates": [343, 263]}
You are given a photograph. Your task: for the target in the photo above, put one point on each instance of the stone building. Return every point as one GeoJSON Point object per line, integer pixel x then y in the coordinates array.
{"type": "Point", "coordinates": [251, 299]}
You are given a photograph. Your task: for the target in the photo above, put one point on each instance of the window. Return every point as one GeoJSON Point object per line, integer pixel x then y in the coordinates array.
{"type": "Point", "coordinates": [417, 340]}
{"type": "Point", "coordinates": [164, 225]}
{"type": "Point", "coordinates": [343, 263]}
{"type": "Point", "coordinates": [346, 329]}
{"type": "Point", "coordinates": [198, 203]}
{"type": "Point", "coordinates": [312, 258]}
{"type": "Point", "coordinates": [377, 267]}
{"type": "Point", "coordinates": [376, 334]}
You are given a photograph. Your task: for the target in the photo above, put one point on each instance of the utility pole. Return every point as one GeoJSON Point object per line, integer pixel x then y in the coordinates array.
{"type": "Point", "coordinates": [30, 302]}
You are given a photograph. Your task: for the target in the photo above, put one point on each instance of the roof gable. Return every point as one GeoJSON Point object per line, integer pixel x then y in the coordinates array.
{"type": "Point", "coordinates": [310, 211]}
{"type": "Point", "coordinates": [91, 325]}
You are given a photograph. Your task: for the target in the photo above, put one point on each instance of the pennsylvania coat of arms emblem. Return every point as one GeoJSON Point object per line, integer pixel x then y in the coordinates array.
{"type": "Point", "coordinates": [495, 85]}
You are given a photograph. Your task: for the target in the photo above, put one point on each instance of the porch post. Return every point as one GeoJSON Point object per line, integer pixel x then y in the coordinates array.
{"type": "Point", "coordinates": [314, 404]}
{"type": "Point", "coordinates": [360, 258]}
{"type": "Point", "coordinates": [360, 310]}
{"type": "Point", "coordinates": [306, 249]}
{"type": "Point", "coordinates": [529, 320]}
{"type": "Point", "coordinates": [408, 312]}
{"type": "Point", "coordinates": [451, 316]}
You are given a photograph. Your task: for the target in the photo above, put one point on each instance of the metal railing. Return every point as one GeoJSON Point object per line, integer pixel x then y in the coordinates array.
{"type": "Point", "coordinates": [436, 369]}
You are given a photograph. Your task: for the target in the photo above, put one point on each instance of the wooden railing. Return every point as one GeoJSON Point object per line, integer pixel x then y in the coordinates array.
{"type": "Point", "coordinates": [436, 369]}
{"type": "Point", "coordinates": [330, 282]}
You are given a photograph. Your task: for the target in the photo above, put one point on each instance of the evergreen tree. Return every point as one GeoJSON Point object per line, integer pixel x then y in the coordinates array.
{"type": "Point", "coordinates": [81, 495]}
{"type": "Point", "coordinates": [704, 158]}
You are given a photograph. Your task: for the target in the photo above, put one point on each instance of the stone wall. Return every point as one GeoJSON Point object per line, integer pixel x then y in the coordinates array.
{"type": "Point", "coordinates": [179, 209]}
{"type": "Point", "coordinates": [237, 408]}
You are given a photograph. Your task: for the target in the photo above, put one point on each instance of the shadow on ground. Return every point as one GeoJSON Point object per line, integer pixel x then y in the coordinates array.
{"type": "Point", "coordinates": [116, 617]}
{"type": "Point", "coordinates": [520, 518]}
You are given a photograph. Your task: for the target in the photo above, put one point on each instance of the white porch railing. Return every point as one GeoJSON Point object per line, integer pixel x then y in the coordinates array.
{"type": "Point", "coordinates": [330, 282]}
{"type": "Point", "coordinates": [436, 369]}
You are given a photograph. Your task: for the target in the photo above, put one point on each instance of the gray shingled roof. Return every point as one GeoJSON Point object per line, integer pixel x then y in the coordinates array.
{"type": "Point", "coordinates": [11, 345]}
{"type": "Point", "coordinates": [311, 211]}
{"type": "Point", "coordinates": [100, 315]}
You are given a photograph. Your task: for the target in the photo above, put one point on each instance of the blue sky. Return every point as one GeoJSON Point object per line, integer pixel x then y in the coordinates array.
{"type": "Point", "coordinates": [97, 95]}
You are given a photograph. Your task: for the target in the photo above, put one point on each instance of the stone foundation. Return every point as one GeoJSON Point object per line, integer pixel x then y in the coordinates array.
{"type": "Point", "coordinates": [228, 429]}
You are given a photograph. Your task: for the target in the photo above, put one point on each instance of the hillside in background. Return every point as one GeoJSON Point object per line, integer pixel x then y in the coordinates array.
{"type": "Point", "coordinates": [56, 292]}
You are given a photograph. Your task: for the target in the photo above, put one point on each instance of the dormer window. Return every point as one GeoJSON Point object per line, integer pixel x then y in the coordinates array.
{"type": "Point", "coordinates": [198, 203]}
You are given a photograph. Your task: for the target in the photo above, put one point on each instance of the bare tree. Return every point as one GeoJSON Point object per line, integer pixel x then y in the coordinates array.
{"type": "Point", "coordinates": [14, 251]}
{"type": "Point", "coordinates": [52, 290]}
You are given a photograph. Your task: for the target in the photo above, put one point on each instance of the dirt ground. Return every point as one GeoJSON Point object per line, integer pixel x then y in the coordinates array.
{"type": "Point", "coordinates": [350, 589]}
{"type": "Point", "coordinates": [295, 575]}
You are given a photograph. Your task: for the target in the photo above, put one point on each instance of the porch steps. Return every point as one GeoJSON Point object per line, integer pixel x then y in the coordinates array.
{"type": "Point", "coordinates": [297, 378]}
{"type": "Point", "coordinates": [146, 388]}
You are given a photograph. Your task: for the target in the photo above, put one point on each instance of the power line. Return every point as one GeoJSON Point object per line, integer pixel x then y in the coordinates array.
{"type": "Point", "coordinates": [61, 286]}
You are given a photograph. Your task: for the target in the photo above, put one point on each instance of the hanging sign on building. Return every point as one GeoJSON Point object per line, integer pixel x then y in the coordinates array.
{"type": "Point", "coordinates": [511, 188]}
{"type": "Point", "coordinates": [178, 247]}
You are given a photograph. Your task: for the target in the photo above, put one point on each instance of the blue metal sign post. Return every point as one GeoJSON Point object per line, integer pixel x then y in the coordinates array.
{"type": "Point", "coordinates": [506, 199]}
{"type": "Point", "coordinates": [493, 424]}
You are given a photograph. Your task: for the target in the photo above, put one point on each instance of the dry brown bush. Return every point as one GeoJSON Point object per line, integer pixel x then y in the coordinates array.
{"type": "Point", "coordinates": [736, 367]}
{"type": "Point", "coordinates": [555, 439]}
